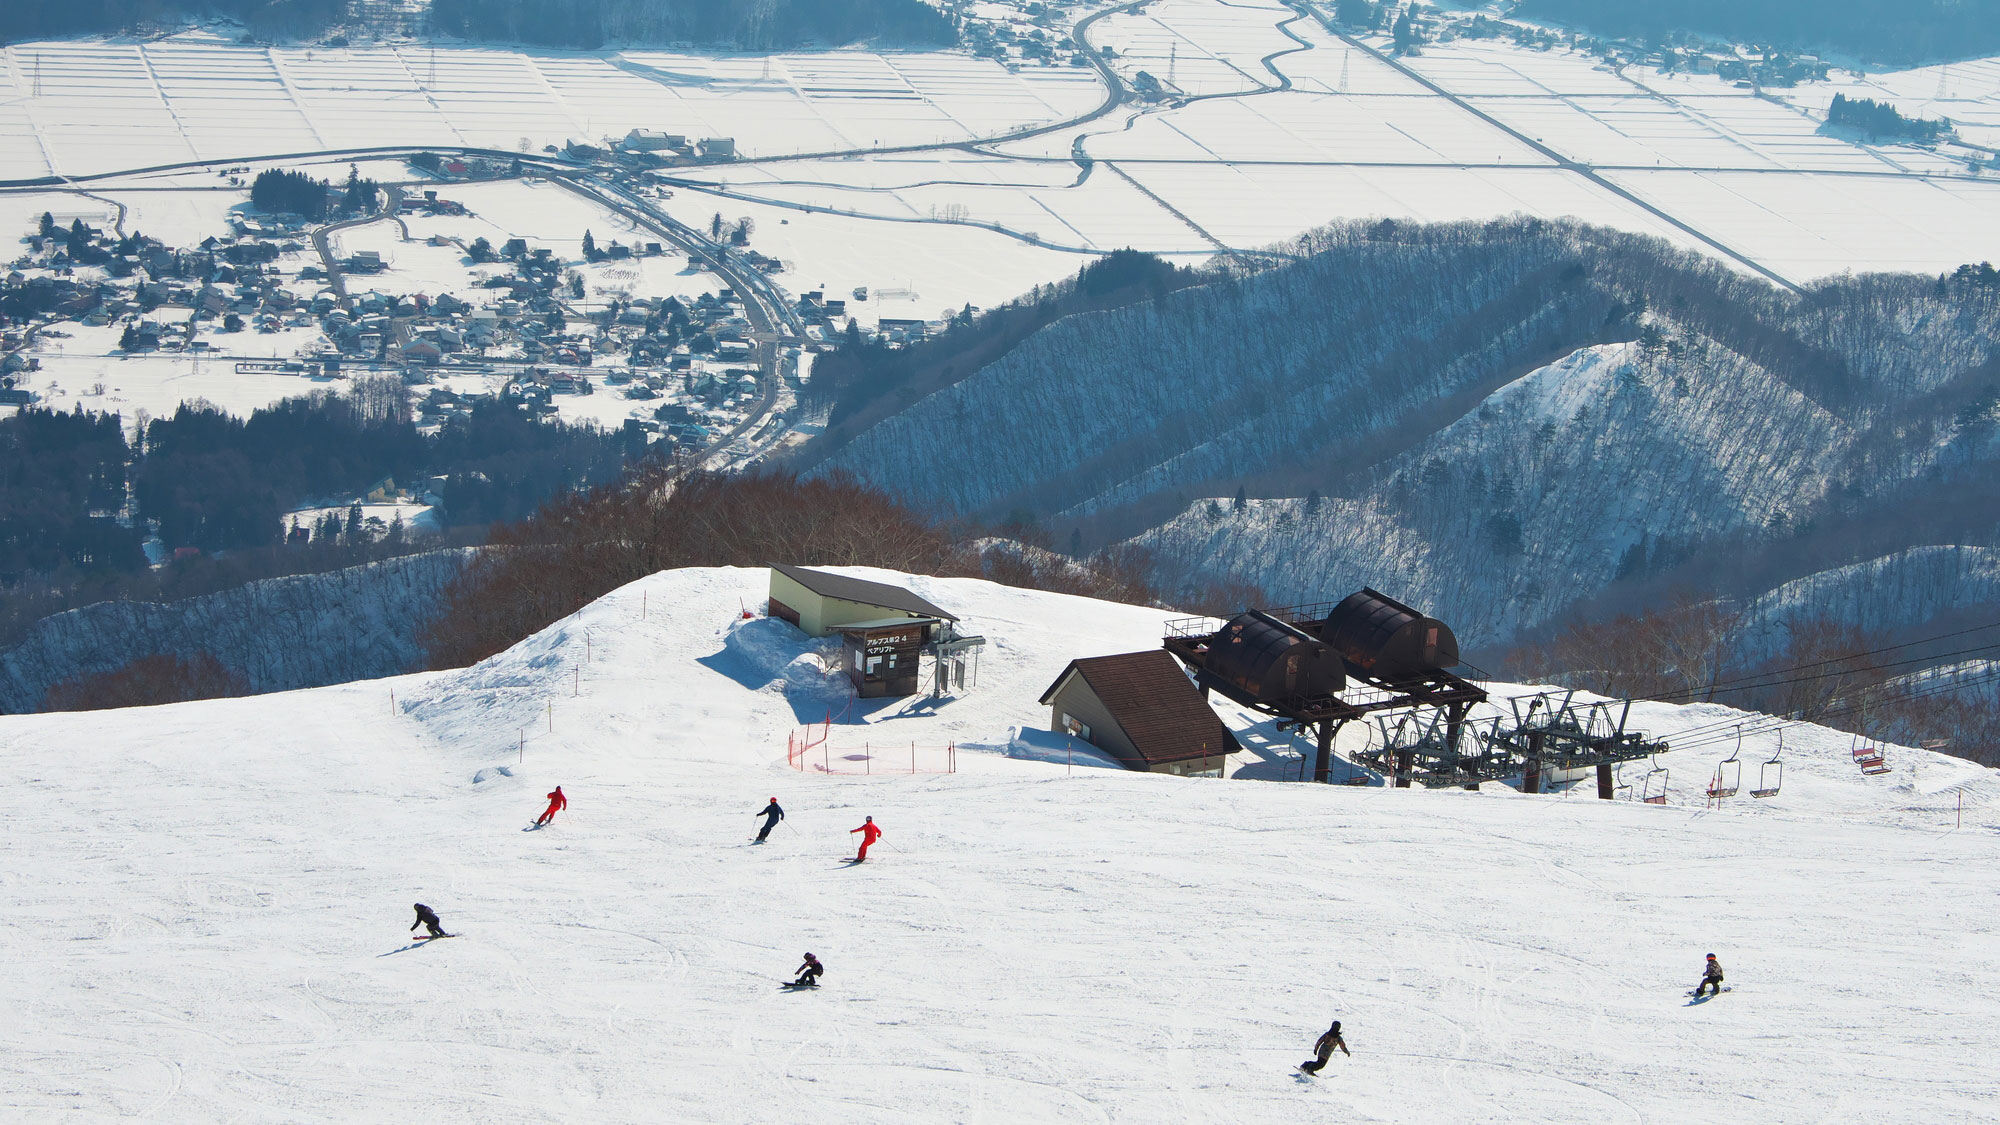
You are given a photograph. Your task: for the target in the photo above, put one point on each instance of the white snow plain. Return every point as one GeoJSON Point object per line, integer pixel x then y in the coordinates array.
{"type": "Point", "coordinates": [204, 910]}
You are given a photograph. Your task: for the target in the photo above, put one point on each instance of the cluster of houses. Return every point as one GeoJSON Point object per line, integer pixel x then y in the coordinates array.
{"type": "Point", "coordinates": [655, 146]}
{"type": "Point", "coordinates": [1139, 708]}
{"type": "Point", "coordinates": [163, 295]}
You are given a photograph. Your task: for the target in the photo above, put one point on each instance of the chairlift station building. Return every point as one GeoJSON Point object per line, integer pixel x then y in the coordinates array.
{"type": "Point", "coordinates": [887, 631]}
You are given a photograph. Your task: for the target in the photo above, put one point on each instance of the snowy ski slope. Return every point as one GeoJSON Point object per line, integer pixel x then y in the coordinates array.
{"type": "Point", "coordinates": [203, 911]}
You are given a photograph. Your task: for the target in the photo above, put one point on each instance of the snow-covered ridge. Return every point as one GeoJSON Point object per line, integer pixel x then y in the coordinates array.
{"type": "Point", "coordinates": [280, 633]}
{"type": "Point", "coordinates": [213, 898]}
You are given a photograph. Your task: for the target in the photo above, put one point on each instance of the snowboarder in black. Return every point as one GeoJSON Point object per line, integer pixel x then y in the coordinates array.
{"type": "Point", "coordinates": [772, 814]}
{"type": "Point", "coordinates": [428, 917]}
{"type": "Point", "coordinates": [1323, 1050]}
{"type": "Point", "coordinates": [809, 973]}
{"type": "Point", "coordinates": [1711, 977]}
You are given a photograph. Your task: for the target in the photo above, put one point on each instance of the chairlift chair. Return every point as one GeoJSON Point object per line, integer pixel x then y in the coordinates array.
{"type": "Point", "coordinates": [1728, 772]}
{"type": "Point", "coordinates": [1772, 776]}
{"type": "Point", "coordinates": [1653, 787]}
{"type": "Point", "coordinates": [1869, 758]}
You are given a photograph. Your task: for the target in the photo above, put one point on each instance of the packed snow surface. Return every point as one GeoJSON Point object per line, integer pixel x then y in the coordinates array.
{"type": "Point", "coordinates": [203, 909]}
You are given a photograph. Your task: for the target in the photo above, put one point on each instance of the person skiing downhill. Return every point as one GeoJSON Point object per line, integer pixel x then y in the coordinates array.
{"type": "Point", "coordinates": [772, 814]}
{"type": "Point", "coordinates": [428, 917]}
{"type": "Point", "coordinates": [556, 802]}
{"type": "Point", "coordinates": [1323, 1050]}
{"type": "Point", "coordinates": [1711, 977]}
{"type": "Point", "coordinates": [809, 973]}
{"type": "Point", "coordinates": [870, 832]}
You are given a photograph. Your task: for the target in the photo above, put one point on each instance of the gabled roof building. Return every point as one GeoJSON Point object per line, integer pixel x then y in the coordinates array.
{"type": "Point", "coordinates": [1140, 708]}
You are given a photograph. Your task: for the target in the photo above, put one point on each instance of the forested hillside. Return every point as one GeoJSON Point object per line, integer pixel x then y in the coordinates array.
{"type": "Point", "coordinates": [1901, 31]}
{"type": "Point", "coordinates": [274, 635]}
{"type": "Point", "coordinates": [1496, 421]}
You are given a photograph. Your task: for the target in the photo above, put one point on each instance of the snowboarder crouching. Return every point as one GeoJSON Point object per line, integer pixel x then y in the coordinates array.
{"type": "Point", "coordinates": [772, 814]}
{"type": "Point", "coordinates": [809, 973]}
{"type": "Point", "coordinates": [557, 802]}
{"type": "Point", "coordinates": [870, 832]}
{"type": "Point", "coordinates": [1323, 1050]}
{"type": "Point", "coordinates": [1711, 977]}
{"type": "Point", "coordinates": [428, 917]}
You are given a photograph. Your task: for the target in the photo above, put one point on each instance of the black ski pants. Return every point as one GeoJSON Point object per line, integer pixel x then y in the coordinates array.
{"type": "Point", "coordinates": [1709, 982]}
{"type": "Point", "coordinates": [1314, 1066]}
{"type": "Point", "coordinates": [768, 825]}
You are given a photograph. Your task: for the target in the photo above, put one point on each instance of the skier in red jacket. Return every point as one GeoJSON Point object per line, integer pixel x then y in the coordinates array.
{"type": "Point", "coordinates": [870, 832]}
{"type": "Point", "coordinates": [556, 801]}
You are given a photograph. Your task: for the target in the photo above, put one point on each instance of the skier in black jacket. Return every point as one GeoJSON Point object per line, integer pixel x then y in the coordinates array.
{"type": "Point", "coordinates": [772, 814]}
{"type": "Point", "coordinates": [1323, 1050]}
{"type": "Point", "coordinates": [428, 917]}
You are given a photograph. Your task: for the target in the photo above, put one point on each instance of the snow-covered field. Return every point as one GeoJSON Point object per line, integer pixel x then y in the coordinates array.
{"type": "Point", "coordinates": [83, 106]}
{"type": "Point", "coordinates": [204, 907]}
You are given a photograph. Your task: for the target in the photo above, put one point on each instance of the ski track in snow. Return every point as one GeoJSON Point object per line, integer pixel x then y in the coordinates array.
{"type": "Point", "coordinates": [204, 911]}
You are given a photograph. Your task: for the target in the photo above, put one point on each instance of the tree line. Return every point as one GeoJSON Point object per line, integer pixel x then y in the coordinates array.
{"type": "Point", "coordinates": [51, 19]}
{"type": "Point", "coordinates": [744, 24]}
{"type": "Point", "coordinates": [582, 545]}
{"type": "Point", "coordinates": [210, 480]}
{"type": "Point", "coordinates": [295, 193]}
{"type": "Point", "coordinates": [1880, 119]}
{"type": "Point", "coordinates": [1689, 649]}
{"type": "Point", "coordinates": [1908, 31]}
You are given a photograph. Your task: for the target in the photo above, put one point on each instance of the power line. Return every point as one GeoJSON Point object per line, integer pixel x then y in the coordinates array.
{"type": "Point", "coordinates": [1713, 734]}
{"type": "Point", "coordinates": [1988, 648]}
{"type": "Point", "coordinates": [1725, 685]}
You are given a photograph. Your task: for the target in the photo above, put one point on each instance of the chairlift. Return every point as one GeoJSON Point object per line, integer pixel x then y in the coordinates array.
{"type": "Point", "coordinates": [1728, 772]}
{"type": "Point", "coordinates": [1653, 787]}
{"type": "Point", "coordinates": [1870, 758]}
{"type": "Point", "coordinates": [1772, 776]}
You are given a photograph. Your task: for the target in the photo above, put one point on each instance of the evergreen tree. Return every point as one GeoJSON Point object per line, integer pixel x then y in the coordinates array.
{"type": "Point", "coordinates": [1405, 31]}
{"type": "Point", "coordinates": [1242, 500]}
{"type": "Point", "coordinates": [589, 247]}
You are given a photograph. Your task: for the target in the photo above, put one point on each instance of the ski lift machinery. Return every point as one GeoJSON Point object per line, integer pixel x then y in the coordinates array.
{"type": "Point", "coordinates": [1728, 772]}
{"type": "Point", "coordinates": [1771, 776]}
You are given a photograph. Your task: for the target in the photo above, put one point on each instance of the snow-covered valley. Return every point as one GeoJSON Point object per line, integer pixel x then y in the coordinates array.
{"type": "Point", "coordinates": [204, 906]}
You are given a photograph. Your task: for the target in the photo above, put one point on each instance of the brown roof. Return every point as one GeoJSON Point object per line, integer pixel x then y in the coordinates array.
{"type": "Point", "coordinates": [860, 590]}
{"type": "Point", "coordinates": [1152, 701]}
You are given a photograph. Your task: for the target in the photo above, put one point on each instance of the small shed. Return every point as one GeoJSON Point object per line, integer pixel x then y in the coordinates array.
{"type": "Point", "coordinates": [821, 603]}
{"type": "Point", "coordinates": [1140, 708]}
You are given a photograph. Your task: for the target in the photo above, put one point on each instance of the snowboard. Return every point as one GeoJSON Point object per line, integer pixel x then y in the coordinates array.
{"type": "Point", "coordinates": [1706, 998]}
{"type": "Point", "coordinates": [434, 937]}
{"type": "Point", "coordinates": [795, 986]}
